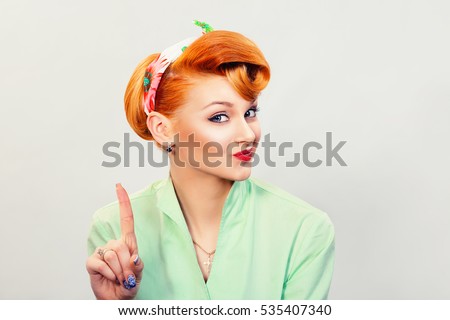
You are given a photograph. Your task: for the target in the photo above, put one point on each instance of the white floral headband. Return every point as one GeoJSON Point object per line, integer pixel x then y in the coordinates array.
{"type": "Point", "coordinates": [156, 68]}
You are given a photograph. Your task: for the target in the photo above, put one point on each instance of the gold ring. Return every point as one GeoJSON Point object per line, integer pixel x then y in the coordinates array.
{"type": "Point", "coordinates": [101, 252]}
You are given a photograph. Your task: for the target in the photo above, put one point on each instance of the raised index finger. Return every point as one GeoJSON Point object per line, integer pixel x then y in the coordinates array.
{"type": "Point", "coordinates": [126, 217]}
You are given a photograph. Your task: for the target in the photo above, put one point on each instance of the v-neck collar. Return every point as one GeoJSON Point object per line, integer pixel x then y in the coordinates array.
{"type": "Point", "coordinates": [168, 202]}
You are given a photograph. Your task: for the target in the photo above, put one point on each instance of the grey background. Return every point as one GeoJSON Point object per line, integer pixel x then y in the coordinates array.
{"type": "Point", "coordinates": [374, 73]}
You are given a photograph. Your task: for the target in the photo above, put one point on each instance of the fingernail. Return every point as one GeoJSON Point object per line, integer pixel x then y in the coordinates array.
{"type": "Point", "coordinates": [117, 185]}
{"type": "Point", "coordinates": [136, 260]}
{"type": "Point", "coordinates": [131, 281]}
{"type": "Point", "coordinates": [126, 285]}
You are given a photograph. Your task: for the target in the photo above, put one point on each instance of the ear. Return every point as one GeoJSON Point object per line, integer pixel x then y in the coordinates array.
{"type": "Point", "coordinates": [160, 127]}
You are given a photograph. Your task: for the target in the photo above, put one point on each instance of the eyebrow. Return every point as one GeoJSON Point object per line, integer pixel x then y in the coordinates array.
{"type": "Point", "coordinates": [225, 103]}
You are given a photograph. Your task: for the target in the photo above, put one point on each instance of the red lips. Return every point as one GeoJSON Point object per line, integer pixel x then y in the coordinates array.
{"type": "Point", "coordinates": [245, 155]}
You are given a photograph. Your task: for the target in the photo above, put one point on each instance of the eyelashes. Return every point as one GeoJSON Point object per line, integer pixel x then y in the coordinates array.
{"type": "Point", "coordinates": [255, 109]}
{"type": "Point", "coordinates": [219, 118]}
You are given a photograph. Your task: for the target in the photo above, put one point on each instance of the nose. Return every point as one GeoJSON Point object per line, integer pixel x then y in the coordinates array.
{"type": "Point", "coordinates": [244, 132]}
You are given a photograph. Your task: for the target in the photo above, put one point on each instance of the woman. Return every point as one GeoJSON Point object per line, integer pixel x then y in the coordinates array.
{"type": "Point", "coordinates": [209, 230]}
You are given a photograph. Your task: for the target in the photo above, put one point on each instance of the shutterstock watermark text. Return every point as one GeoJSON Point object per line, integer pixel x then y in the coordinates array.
{"type": "Point", "coordinates": [313, 153]}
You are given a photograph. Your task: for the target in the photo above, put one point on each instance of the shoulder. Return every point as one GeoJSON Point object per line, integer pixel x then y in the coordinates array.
{"type": "Point", "coordinates": [282, 205]}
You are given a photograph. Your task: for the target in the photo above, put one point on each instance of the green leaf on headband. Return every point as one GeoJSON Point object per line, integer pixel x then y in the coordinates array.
{"type": "Point", "coordinates": [206, 27]}
{"type": "Point", "coordinates": [147, 80]}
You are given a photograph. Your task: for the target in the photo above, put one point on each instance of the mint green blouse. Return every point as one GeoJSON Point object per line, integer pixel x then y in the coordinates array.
{"type": "Point", "coordinates": [271, 245]}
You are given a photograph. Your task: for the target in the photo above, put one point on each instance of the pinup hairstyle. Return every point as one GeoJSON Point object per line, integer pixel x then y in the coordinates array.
{"type": "Point", "coordinates": [219, 52]}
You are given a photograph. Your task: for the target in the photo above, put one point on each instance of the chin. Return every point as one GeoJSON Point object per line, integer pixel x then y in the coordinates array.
{"type": "Point", "coordinates": [235, 173]}
{"type": "Point", "coordinates": [240, 174]}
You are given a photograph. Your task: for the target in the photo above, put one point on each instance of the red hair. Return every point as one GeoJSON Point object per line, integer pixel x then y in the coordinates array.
{"type": "Point", "coordinates": [219, 52]}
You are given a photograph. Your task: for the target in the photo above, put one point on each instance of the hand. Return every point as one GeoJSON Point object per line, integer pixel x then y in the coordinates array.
{"type": "Point", "coordinates": [116, 269]}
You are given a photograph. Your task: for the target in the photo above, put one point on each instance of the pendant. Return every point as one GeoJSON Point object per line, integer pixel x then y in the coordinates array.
{"type": "Point", "coordinates": [208, 264]}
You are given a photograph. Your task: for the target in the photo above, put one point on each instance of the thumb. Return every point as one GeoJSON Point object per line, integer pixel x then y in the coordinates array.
{"type": "Point", "coordinates": [137, 265]}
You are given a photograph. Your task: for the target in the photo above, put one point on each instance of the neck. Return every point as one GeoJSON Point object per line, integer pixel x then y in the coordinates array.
{"type": "Point", "coordinates": [201, 197]}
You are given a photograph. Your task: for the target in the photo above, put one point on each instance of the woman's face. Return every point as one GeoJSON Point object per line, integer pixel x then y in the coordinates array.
{"type": "Point", "coordinates": [213, 125]}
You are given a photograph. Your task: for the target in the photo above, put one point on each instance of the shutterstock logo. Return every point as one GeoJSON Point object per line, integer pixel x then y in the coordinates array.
{"type": "Point", "coordinates": [119, 153]}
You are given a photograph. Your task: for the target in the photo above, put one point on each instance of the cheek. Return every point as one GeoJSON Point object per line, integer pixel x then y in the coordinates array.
{"type": "Point", "coordinates": [212, 140]}
{"type": "Point", "coordinates": [224, 138]}
{"type": "Point", "coordinates": [205, 138]}
{"type": "Point", "coordinates": [185, 136]}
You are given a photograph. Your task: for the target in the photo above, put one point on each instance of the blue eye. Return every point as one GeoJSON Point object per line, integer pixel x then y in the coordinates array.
{"type": "Point", "coordinates": [252, 112]}
{"type": "Point", "coordinates": [218, 117]}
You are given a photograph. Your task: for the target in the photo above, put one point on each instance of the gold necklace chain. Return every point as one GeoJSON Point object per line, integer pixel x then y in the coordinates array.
{"type": "Point", "coordinates": [208, 262]}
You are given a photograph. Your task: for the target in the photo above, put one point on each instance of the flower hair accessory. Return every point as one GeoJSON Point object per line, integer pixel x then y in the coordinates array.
{"type": "Point", "coordinates": [156, 68]}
